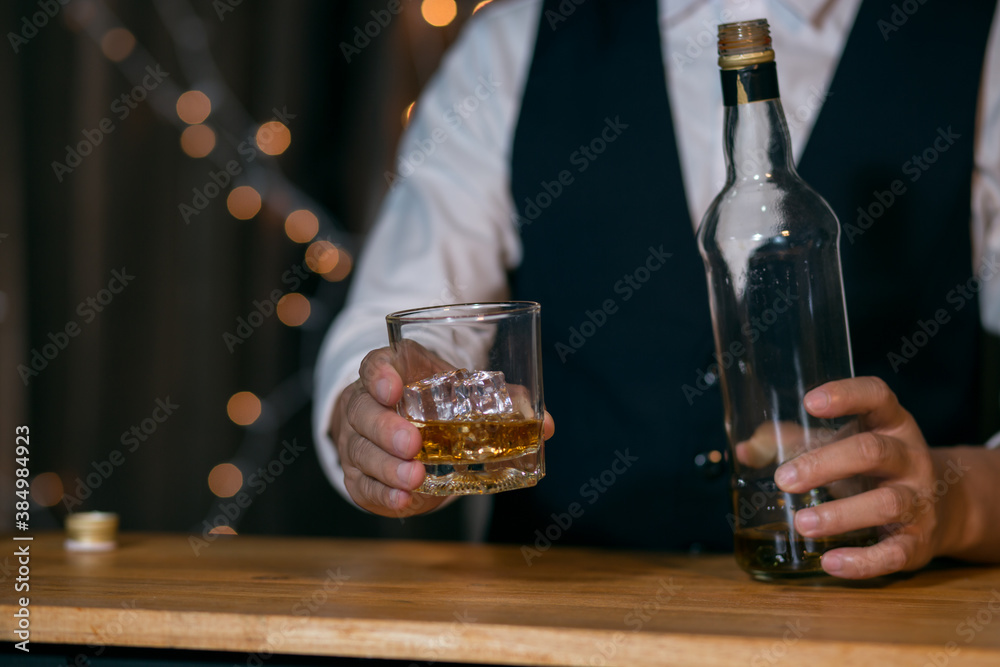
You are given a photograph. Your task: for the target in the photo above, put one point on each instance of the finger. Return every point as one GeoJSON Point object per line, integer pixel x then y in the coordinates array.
{"type": "Point", "coordinates": [867, 453]}
{"type": "Point", "coordinates": [373, 495]}
{"type": "Point", "coordinates": [380, 378]}
{"type": "Point", "coordinates": [372, 461]}
{"type": "Point", "coordinates": [892, 554]}
{"type": "Point", "coordinates": [878, 507]}
{"type": "Point", "coordinates": [548, 426]}
{"type": "Point", "coordinates": [520, 400]}
{"type": "Point", "coordinates": [770, 442]}
{"type": "Point", "coordinates": [382, 426]}
{"type": "Point", "coordinates": [414, 361]}
{"type": "Point", "coordinates": [869, 396]}
{"type": "Point", "coordinates": [753, 455]}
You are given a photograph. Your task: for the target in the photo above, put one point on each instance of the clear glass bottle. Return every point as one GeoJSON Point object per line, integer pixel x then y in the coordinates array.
{"type": "Point", "coordinates": [770, 246]}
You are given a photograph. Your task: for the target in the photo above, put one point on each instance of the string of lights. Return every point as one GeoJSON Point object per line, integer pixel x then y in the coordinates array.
{"type": "Point", "coordinates": [214, 126]}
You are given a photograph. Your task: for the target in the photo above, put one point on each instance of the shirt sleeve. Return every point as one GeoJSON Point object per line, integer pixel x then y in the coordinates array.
{"type": "Point", "coordinates": [986, 184]}
{"type": "Point", "coordinates": [986, 191]}
{"type": "Point", "coordinates": [444, 232]}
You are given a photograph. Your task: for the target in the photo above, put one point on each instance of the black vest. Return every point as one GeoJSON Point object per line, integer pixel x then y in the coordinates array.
{"type": "Point", "coordinates": [598, 187]}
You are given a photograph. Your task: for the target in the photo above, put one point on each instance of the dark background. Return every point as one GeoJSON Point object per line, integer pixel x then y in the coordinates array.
{"type": "Point", "coordinates": [162, 336]}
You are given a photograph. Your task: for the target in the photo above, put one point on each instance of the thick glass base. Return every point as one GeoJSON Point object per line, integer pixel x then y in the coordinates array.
{"type": "Point", "coordinates": [465, 479]}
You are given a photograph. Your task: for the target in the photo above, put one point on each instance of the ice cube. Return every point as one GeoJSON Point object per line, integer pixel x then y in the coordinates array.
{"type": "Point", "coordinates": [486, 393]}
{"type": "Point", "coordinates": [456, 395]}
{"type": "Point", "coordinates": [434, 397]}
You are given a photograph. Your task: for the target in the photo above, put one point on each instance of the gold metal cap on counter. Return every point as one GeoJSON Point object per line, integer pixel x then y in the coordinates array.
{"type": "Point", "coordinates": [91, 531]}
{"type": "Point", "coordinates": [745, 43]}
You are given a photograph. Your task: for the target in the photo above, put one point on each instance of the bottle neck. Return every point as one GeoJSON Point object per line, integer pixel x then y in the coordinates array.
{"type": "Point", "coordinates": [756, 142]}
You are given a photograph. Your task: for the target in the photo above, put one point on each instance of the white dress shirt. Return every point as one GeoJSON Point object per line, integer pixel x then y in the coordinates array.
{"type": "Point", "coordinates": [445, 234]}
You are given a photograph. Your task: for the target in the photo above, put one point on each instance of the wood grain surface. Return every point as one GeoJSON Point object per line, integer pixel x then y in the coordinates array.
{"type": "Point", "coordinates": [440, 602]}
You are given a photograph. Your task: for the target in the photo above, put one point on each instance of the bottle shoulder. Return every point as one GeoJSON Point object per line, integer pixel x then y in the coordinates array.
{"type": "Point", "coordinates": [769, 207]}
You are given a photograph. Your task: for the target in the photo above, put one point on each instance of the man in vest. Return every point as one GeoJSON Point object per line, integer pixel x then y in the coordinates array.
{"type": "Point", "coordinates": [565, 152]}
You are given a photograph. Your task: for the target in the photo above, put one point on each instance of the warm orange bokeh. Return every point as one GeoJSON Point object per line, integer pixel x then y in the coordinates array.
{"type": "Point", "coordinates": [243, 408]}
{"type": "Point", "coordinates": [225, 480]}
{"type": "Point", "coordinates": [301, 226]}
{"type": "Point", "coordinates": [293, 309]}
{"type": "Point", "coordinates": [47, 489]}
{"type": "Point", "coordinates": [197, 140]}
{"type": "Point", "coordinates": [193, 107]}
{"type": "Point", "coordinates": [273, 137]}
{"type": "Point", "coordinates": [243, 202]}
{"type": "Point", "coordinates": [439, 13]}
{"type": "Point", "coordinates": [117, 44]}
{"type": "Point", "coordinates": [322, 256]}
{"type": "Point", "coordinates": [341, 269]}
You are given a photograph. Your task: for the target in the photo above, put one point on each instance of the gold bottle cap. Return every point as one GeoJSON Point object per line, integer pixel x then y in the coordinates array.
{"type": "Point", "coordinates": [745, 43]}
{"type": "Point", "coordinates": [91, 531]}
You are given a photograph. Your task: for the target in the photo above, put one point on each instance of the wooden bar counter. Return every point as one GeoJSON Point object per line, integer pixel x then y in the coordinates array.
{"type": "Point", "coordinates": [446, 602]}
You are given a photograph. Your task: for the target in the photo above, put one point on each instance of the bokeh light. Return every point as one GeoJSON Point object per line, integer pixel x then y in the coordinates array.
{"type": "Point", "coordinates": [439, 13]}
{"type": "Point", "coordinates": [225, 480]}
{"type": "Point", "coordinates": [198, 140]}
{"type": "Point", "coordinates": [79, 14]}
{"type": "Point", "coordinates": [47, 489]}
{"type": "Point", "coordinates": [293, 309]}
{"type": "Point", "coordinates": [322, 256]}
{"type": "Point", "coordinates": [222, 530]}
{"type": "Point", "coordinates": [193, 107]}
{"type": "Point", "coordinates": [273, 137]}
{"type": "Point", "coordinates": [341, 269]}
{"type": "Point", "coordinates": [408, 113]}
{"type": "Point", "coordinates": [117, 44]}
{"type": "Point", "coordinates": [243, 408]}
{"type": "Point", "coordinates": [301, 226]}
{"type": "Point", "coordinates": [481, 5]}
{"type": "Point", "coordinates": [243, 202]}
